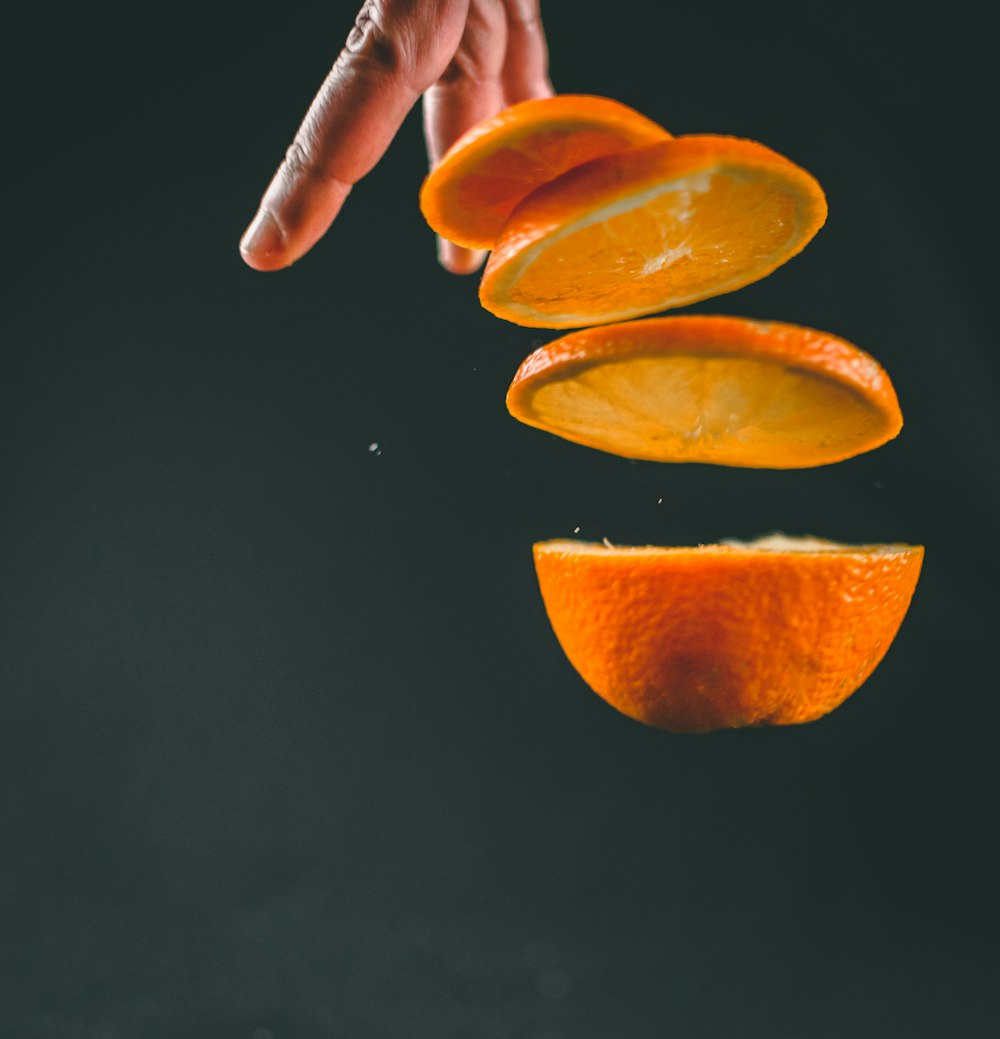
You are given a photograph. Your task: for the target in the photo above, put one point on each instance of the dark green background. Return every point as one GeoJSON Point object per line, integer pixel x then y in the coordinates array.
{"type": "Point", "coordinates": [288, 748]}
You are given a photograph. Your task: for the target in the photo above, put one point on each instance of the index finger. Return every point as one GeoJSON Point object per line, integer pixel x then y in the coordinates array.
{"type": "Point", "coordinates": [395, 51]}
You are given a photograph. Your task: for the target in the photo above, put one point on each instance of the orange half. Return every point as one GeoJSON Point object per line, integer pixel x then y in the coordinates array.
{"type": "Point", "coordinates": [696, 388]}
{"type": "Point", "coordinates": [471, 192]}
{"type": "Point", "coordinates": [772, 632]}
{"type": "Point", "coordinates": [650, 229]}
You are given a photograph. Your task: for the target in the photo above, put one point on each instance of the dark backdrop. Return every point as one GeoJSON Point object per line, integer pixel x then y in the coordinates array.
{"type": "Point", "coordinates": [288, 748]}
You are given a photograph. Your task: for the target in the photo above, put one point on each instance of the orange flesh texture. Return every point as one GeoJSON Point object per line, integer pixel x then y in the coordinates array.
{"type": "Point", "coordinates": [723, 390]}
{"type": "Point", "coordinates": [475, 187]}
{"type": "Point", "coordinates": [649, 229]}
{"type": "Point", "coordinates": [696, 639]}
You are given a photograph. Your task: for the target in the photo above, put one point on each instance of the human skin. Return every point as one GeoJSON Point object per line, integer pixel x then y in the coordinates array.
{"type": "Point", "coordinates": [468, 59]}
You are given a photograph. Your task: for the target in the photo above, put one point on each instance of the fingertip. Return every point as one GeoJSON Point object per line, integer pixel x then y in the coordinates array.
{"type": "Point", "coordinates": [265, 263]}
{"type": "Point", "coordinates": [458, 260]}
{"type": "Point", "coordinates": [263, 244]}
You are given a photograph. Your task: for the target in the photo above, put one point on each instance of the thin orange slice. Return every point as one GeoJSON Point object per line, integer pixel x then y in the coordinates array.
{"type": "Point", "coordinates": [474, 188]}
{"type": "Point", "coordinates": [709, 389]}
{"type": "Point", "coordinates": [649, 229]}
{"type": "Point", "coordinates": [773, 632]}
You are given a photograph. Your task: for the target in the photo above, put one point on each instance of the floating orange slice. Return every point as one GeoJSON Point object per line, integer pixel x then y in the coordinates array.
{"type": "Point", "coordinates": [474, 188]}
{"type": "Point", "coordinates": [649, 229]}
{"type": "Point", "coordinates": [709, 389]}
{"type": "Point", "coordinates": [773, 632]}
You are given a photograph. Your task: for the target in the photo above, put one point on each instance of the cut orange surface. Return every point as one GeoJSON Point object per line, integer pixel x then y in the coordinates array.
{"type": "Point", "coordinates": [474, 188]}
{"type": "Point", "coordinates": [649, 229]}
{"type": "Point", "coordinates": [709, 389]}
{"type": "Point", "coordinates": [772, 632]}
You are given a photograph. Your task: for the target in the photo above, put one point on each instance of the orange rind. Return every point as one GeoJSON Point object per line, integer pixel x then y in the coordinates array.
{"type": "Point", "coordinates": [773, 632]}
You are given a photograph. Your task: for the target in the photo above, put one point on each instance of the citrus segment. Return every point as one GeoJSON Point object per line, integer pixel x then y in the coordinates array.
{"type": "Point", "coordinates": [472, 191]}
{"type": "Point", "coordinates": [772, 632]}
{"type": "Point", "coordinates": [649, 229]}
{"type": "Point", "coordinates": [696, 388]}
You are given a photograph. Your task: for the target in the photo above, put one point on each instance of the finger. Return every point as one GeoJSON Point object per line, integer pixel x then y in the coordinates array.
{"type": "Point", "coordinates": [468, 92]}
{"type": "Point", "coordinates": [456, 259]}
{"type": "Point", "coordinates": [396, 50]}
{"type": "Point", "coordinates": [526, 69]}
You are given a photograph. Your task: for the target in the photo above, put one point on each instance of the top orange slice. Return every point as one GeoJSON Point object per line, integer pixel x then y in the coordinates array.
{"type": "Point", "coordinates": [698, 388]}
{"type": "Point", "coordinates": [474, 188]}
{"type": "Point", "coordinates": [649, 229]}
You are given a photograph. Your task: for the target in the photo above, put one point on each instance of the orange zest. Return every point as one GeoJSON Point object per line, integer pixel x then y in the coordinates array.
{"type": "Point", "coordinates": [772, 632]}
{"type": "Point", "coordinates": [471, 192]}
{"type": "Point", "coordinates": [649, 229]}
{"type": "Point", "coordinates": [696, 388]}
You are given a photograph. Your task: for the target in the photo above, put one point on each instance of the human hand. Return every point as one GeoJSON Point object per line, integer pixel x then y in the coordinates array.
{"type": "Point", "coordinates": [468, 58]}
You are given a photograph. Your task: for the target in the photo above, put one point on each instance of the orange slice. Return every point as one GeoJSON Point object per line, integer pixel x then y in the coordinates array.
{"type": "Point", "coordinates": [474, 188]}
{"type": "Point", "coordinates": [709, 389]}
{"type": "Point", "coordinates": [649, 229]}
{"type": "Point", "coordinates": [773, 632]}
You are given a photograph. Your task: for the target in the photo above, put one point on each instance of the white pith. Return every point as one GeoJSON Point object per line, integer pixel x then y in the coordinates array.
{"type": "Point", "coordinates": [769, 543]}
